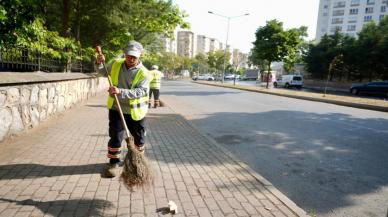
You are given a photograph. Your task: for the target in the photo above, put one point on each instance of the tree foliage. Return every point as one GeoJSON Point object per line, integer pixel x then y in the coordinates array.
{"type": "Point", "coordinates": [15, 14]}
{"type": "Point", "coordinates": [38, 38]}
{"type": "Point", "coordinates": [273, 43]}
{"type": "Point", "coordinates": [216, 60]}
{"type": "Point", "coordinates": [365, 57]}
{"type": "Point", "coordinates": [200, 63]}
{"type": "Point", "coordinates": [110, 23]}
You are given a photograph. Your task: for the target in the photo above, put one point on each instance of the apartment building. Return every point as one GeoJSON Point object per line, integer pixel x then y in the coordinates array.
{"type": "Point", "coordinates": [186, 44]}
{"type": "Point", "coordinates": [348, 16]}
{"type": "Point", "coordinates": [203, 44]}
{"type": "Point", "coordinates": [239, 60]}
{"type": "Point", "coordinates": [169, 45]}
{"type": "Point", "coordinates": [215, 44]}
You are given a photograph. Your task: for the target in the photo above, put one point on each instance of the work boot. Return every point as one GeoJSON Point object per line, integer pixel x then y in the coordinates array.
{"type": "Point", "coordinates": [112, 170]}
{"type": "Point", "coordinates": [149, 105]}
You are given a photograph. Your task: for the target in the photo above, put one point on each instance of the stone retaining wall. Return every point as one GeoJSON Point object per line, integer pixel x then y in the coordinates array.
{"type": "Point", "coordinates": [26, 105]}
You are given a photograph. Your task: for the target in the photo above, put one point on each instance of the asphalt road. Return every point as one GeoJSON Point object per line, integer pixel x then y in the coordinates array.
{"type": "Point", "coordinates": [330, 160]}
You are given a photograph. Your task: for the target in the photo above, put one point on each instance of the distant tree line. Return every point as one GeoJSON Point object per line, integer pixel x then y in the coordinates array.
{"type": "Point", "coordinates": [337, 57]}
{"type": "Point", "coordinates": [361, 58]}
{"type": "Point", "coordinates": [211, 62]}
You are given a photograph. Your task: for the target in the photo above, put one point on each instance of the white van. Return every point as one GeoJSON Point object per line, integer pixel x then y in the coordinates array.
{"type": "Point", "coordinates": [288, 81]}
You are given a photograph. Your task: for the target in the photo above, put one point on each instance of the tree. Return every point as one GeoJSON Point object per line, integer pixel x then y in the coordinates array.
{"type": "Point", "coordinates": [182, 63]}
{"type": "Point", "coordinates": [216, 59]}
{"type": "Point", "coordinates": [261, 64]}
{"type": "Point", "coordinates": [368, 42]}
{"type": "Point", "coordinates": [319, 56]}
{"type": "Point", "coordinates": [152, 16]}
{"type": "Point", "coordinates": [154, 50]}
{"type": "Point", "coordinates": [382, 49]}
{"type": "Point", "coordinates": [274, 44]}
{"type": "Point", "coordinates": [200, 63]}
{"type": "Point", "coordinates": [110, 23]}
{"type": "Point", "coordinates": [364, 57]}
{"type": "Point", "coordinates": [13, 16]}
{"type": "Point", "coordinates": [169, 61]}
{"type": "Point", "coordinates": [37, 38]}
{"type": "Point", "coordinates": [295, 57]}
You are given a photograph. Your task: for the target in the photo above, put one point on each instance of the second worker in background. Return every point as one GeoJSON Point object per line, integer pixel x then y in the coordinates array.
{"type": "Point", "coordinates": [156, 77]}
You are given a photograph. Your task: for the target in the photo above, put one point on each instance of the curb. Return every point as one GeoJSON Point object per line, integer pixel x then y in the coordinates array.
{"type": "Point", "coordinates": [279, 195]}
{"type": "Point", "coordinates": [336, 102]}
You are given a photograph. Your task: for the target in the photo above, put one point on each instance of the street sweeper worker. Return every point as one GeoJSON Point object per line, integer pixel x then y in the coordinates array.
{"type": "Point", "coordinates": [131, 84]}
{"type": "Point", "coordinates": [156, 77]}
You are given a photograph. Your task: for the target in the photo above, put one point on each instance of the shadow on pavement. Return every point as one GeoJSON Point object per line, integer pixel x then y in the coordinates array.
{"type": "Point", "coordinates": [26, 171]}
{"type": "Point", "coordinates": [317, 160]}
{"type": "Point", "coordinates": [96, 106]}
{"type": "Point", "coordinates": [163, 210]}
{"type": "Point", "coordinates": [75, 207]}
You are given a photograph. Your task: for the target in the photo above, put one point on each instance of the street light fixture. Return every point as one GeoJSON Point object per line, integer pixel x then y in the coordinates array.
{"type": "Point", "coordinates": [227, 36]}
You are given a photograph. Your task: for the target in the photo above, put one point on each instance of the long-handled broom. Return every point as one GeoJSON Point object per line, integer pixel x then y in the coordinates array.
{"type": "Point", "coordinates": [137, 170]}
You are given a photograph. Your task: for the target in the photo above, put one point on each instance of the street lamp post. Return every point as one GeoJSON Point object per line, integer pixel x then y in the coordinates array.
{"type": "Point", "coordinates": [227, 36]}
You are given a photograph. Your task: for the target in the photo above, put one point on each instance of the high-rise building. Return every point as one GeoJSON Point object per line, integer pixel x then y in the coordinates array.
{"type": "Point", "coordinates": [348, 16]}
{"type": "Point", "coordinates": [186, 44]}
{"type": "Point", "coordinates": [169, 45]}
{"type": "Point", "coordinates": [203, 44]}
{"type": "Point", "coordinates": [239, 60]}
{"type": "Point", "coordinates": [189, 44]}
{"type": "Point", "coordinates": [215, 45]}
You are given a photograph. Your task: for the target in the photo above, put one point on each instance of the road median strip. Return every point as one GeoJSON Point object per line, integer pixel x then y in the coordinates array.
{"type": "Point", "coordinates": [350, 101]}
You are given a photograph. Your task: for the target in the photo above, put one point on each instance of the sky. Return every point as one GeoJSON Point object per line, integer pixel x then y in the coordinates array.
{"type": "Point", "coordinates": [293, 14]}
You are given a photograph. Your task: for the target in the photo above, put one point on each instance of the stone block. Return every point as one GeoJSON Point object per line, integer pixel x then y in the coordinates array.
{"type": "Point", "coordinates": [25, 96]}
{"type": "Point", "coordinates": [5, 122]}
{"type": "Point", "coordinates": [61, 104]}
{"type": "Point", "coordinates": [34, 114]}
{"type": "Point", "coordinates": [3, 96]}
{"type": "Point", "coordinates": [43, 104]}
{"type": "Point", "coordinates": [43, 114]}
{"type": "Point", "coordinates": [51, 94]}
{"type": "Point", "coordinates": [43, 98]}
{"type": "Point", "coordinates": [26, 116]}
{"type": "Point", "coordinates": [13, 95]}
{"type": "Point", "coordinates": [34, 95]}
{"type": "Point", "coordinates": [50, 109]}
{"type": "Point", "coordinates": [17, 123]}
{"type": "Point", "coordinates": [58, 89]}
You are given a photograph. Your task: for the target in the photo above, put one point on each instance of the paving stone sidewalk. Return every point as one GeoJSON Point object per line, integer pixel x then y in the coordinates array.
{"type": "Point", "coordinates": [55, 170]}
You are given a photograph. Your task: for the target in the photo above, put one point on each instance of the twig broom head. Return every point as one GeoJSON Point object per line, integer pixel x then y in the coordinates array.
{"type": "Point", "coordinates": [137, 169]}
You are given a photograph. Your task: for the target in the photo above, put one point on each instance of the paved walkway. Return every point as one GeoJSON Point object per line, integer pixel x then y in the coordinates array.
{"type": "Point", "coordinates": [54, 170]}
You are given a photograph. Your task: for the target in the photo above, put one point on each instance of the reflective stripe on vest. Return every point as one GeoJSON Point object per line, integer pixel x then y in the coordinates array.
{"type": "Point", "coordinates": [139, 106]}
{"type": "Point", "coordinates": [156, 77]}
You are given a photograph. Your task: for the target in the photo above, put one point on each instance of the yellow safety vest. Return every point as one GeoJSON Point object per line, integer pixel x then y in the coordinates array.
{"type": "Point", "coordinates": [156, 78]}
{"type": "Point", "coordinates": [139, 106]}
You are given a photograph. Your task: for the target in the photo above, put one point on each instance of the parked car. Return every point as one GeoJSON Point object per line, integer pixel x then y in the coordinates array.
{"type": "Point", "coordinates": [376, 88]}
{"type": "Point", "coordinates": [288, 81]}
{"type": "Point", "coordinates": [206, 77]}
{"type": "Point", "coordinates": [229, 77]}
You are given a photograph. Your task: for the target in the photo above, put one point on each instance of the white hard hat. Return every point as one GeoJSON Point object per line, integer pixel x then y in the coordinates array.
{"type": "Point", "coordinates": [155, 67]}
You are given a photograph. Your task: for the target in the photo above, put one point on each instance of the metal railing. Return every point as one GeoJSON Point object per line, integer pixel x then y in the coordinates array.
{"type": "Point", "coordinates": [21, 59]}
